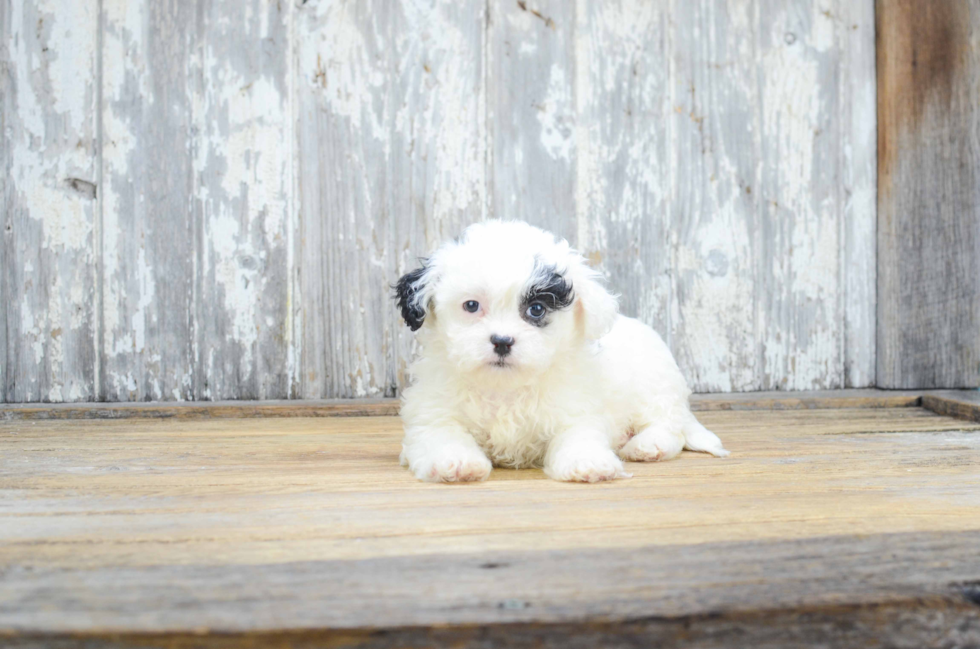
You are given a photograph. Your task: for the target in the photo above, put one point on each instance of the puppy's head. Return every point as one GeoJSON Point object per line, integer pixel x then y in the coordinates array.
{"type": "Point", "coordinates": [505, 298]}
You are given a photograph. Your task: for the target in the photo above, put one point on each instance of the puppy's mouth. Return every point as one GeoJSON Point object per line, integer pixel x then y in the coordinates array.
{"type": "Point", "coordinates": [500, 362]}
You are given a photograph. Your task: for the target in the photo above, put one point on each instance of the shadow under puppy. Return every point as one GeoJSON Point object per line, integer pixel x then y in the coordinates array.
{"type": "Point", "coordinates": [525, 361]}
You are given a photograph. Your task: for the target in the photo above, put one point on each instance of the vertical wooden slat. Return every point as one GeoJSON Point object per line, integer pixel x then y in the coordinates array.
{"type": "Point", "coordinates": [438, 143]}
{"type": "Point", "coordinates": [49, 119]}
{"type": "Point", "coordinates": [6, 165]}
{"type": "Point", "coordinates": [623, 173]}
{"type": "Point", "coordinates": [531, 113]}
{"type": "Point", "coordinates": [198, 170]}
{"type": "Point", "coordinates": [928, 193]}
{"type": "Point", "coordinates": [858, 165]}
{"type": "Point", "coordinates": [715, 227]}
{"type": "Point", "coordinates": [242, 146]}
{"type": "Point", "coordinates": [391, 161]}
{"type": "Point", "coordinates": [149, 239]}
{"type": "Point", "coordinates": [343, 137]}
{"type": "Point", "coordinates": [799, 287]}
{"type": "Point", "coordinates": [758, 211]}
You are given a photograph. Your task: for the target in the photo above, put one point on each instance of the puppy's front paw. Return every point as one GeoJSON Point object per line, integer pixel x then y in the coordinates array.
{"type": "Point", "coordinates": [598, 466]}
{"type": "Point", "coordinates": [456, 465]}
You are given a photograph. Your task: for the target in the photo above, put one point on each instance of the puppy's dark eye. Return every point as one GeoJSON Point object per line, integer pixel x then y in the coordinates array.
{"type": "Point", "coordinates": [536, 311]}
{"type": "Point", "coordinates": [471, 305]}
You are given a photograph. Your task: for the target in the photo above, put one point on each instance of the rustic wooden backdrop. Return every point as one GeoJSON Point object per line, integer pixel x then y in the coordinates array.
{"type": "Point", "coordinates": [207, 199]}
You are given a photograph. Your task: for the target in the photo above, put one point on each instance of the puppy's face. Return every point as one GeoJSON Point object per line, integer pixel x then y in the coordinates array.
{"type": "Point", "coordinates": [506, 299]}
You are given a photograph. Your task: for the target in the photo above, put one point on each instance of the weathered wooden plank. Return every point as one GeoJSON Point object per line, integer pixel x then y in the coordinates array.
{"type": "Point", "coordinates": [49, 203]}
{"type": "Point", "coordinates": [198, 279]}
{"type": "Point", "coordinates": [240, 78]}
{"type": "Point", "coordinates": [926, 620]}
{"type": "Point", "coordinates": [764, 288]}
{"type": "Point", "coordinates": [6, 166]}
{"type": "Point", "coordinates": [624, 170]}
{"type": "Point", "coordinates": [150, 237]}
{"type": "Point", "coordinates": [531, 114]}
{"type": "Point", "coordinates": [205, 410]}
{"type": "Point", "coordinates": [858, 178]}
{"type": "Point", "coordinates": [141, 492]}
{"type": "Point", "coordinates": [819, 400]}
{"type": "Point", "coordinates": [715, 230]}
{"type": "Point", "coordinates": [391, 156]}
{"type": "Point", "coordinates": [116, 527]}
{"type": "Point", "coordinates": [964, 404]}
{"type": "Point", "coordinates": [929, 194]}
{"type": "Point", "coordinates": [800, 259]}
{"type": "Point", "coordinates": [674, 595]}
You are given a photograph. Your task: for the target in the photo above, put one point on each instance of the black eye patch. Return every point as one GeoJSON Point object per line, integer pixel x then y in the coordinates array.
{"type": "Point", "coordinates": [549, 289]}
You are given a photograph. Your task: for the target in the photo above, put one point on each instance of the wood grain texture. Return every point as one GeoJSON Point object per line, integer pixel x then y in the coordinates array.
{"type": "Point", "coordinates": [858, 192]}
{"type": "Point", "coordinates": [150, 236]}
{"type": "Point", "coordinates": [626, 171]}
{"type": "Point", "coordinates": [849, 592]}
{"type": "Point", "coordinates": [391, 159]}
{"type": "Point", "coordinates": [197, 235]}
{"type": "Point", "coordinates": [929, 194]}
{"type": "Point", "coordinates": [820, 400]}
{"type": "Point", "coordinates": [48, 207]}
{"type": "Point", "coordinates": [243, 190]}
{"type": "Point", "coordinates": [763, 240]}
{"type": "Point", "coordinates": [270, 168]}
{"type": "Point", "coordinates": [239, 526]}
{"type": "Point", "coordinates": [964, 404]}
{"type": "Point", "coordinates": [532, 113]}
{"type": "Point", "coordinates": [918, 622]}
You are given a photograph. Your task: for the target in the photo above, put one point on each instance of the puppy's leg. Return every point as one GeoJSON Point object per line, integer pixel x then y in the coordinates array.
{"type": "Point", "coordinates": [660, 441]}
{"type": "Point", "coordinates": [444, 454]}
{"type": "Point", "coordinates": [582, 454]}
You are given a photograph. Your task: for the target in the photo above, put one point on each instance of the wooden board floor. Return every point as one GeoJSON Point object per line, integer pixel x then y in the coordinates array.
{"type": "Point", "coordinates": [111, 530]}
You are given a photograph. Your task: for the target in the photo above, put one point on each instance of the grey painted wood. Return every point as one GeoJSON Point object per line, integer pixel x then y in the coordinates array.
{"type": "Point", "coordinates": [149, 231]}
{"type": "Point", "coordinates": [701, 130]}
{"type": "Point", "coordinates": [268, 169]}
{"type": "Point", "coordinates": [531, 113]}
{"type": "Point", "coordinates": [759, 210]}
{"type": "Point", "coordinates": [243, 191]}
{"type": "Point", "coordinates": [929, 197]}
{"type": "Point", "coordinates": [858, 160]}
{"type": "Point", "coordinates": [6, 166]}
{"type": "Point", "coordinates": [49, 105]}
{"type": "Point", "coordinates": [197, 210]}
{"type": "Point", "coordinates": [391, 162]}
{"type": "Point", "coordinates": [625, 172]}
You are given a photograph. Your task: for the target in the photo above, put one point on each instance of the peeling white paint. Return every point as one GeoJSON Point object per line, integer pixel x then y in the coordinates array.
{"type": "Point", "coordinates": [557, 116]}
{"type": "Point", "coordinates": [330, 144]}
{"type": "Point", "coordinates": [50, 130]}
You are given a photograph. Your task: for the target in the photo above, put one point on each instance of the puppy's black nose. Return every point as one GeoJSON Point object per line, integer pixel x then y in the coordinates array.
{"type": "Point", "coordinates": [501, 344]}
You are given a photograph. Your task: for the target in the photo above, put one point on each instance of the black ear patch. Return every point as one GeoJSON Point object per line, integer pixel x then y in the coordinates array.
{"type": "Point", "coordinates": [406, 292]}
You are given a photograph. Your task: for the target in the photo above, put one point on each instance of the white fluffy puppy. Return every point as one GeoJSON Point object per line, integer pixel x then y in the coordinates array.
{"type": "Point", "coordinates": [525, 361]}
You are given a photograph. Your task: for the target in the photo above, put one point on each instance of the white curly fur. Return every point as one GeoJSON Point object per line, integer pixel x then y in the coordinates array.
{"type": "Point", "coordinates": [578, 396]}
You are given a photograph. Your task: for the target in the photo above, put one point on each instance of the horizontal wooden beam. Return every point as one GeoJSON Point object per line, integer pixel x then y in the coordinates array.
{"type": "Point", "coordinates": [821, 399]}
{"type": "Point", "coordinates": [888, 589]}
{"type": "Point", "coordinates": [962, 404]}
